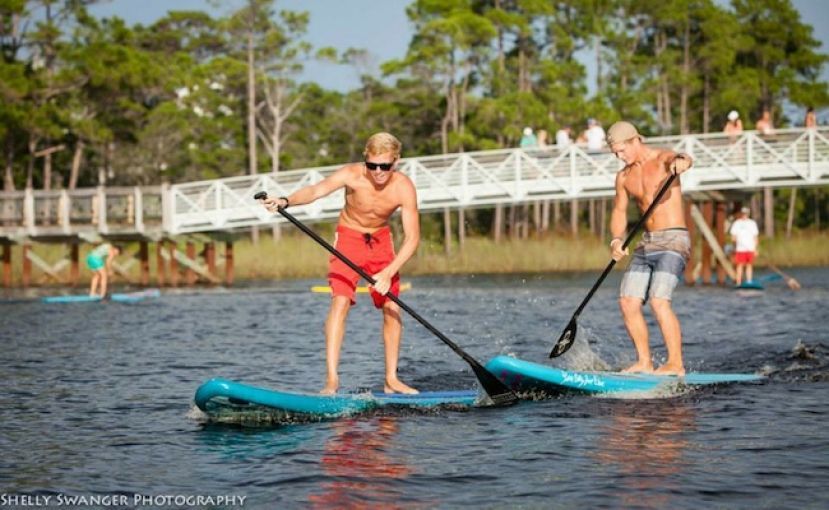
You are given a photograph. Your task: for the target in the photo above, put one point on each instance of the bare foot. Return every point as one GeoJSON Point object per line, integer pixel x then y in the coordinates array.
{"type": "Point", "coordinates": [640, 367]}
{"type": "Point", "coordinates": [670, 369]}
{"type": "Point", "coordinates": [331, 387]}
{"type": "Point", "coordinates": [395, 386]}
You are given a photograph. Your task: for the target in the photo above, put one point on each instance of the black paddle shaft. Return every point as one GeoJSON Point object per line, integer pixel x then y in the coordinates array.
{"type": "Point", "coordinates": [497, 390]}
{"type": "Point", "coordinates": [566, 340]}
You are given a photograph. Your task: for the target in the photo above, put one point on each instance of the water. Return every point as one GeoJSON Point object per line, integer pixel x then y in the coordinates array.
{"type": "Point", "coordinates": [98, 401]}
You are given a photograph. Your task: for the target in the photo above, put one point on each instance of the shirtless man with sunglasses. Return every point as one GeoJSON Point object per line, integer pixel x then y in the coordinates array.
{"type": "Point", "coordinates": [374, 190]}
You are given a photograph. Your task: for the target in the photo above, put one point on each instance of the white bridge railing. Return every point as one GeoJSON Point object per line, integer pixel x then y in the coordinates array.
{"type": "Point", "coordinates": [790, 157]}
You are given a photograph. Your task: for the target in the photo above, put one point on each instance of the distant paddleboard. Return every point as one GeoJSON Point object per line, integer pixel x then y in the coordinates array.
{"type": "Point", "coordinates": [224, 400]}
{"type": "Point", "coordinates": [126, 297]}
{"type": "Point", "coordinates": [526, 376]}
{"type": "Point", "coordinates": [360, 290]}
{"type": "Point", "coordinates": [752, 285]}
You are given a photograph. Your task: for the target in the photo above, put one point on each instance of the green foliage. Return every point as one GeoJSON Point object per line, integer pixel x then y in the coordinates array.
{"type": "Point", "coordinates": [168, 101]}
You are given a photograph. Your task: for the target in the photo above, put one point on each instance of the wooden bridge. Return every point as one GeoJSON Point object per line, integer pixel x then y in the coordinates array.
{"type": "Point", "coordinates": [789, 158]}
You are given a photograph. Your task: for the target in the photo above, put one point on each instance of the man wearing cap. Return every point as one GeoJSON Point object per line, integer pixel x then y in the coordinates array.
{"type": "Point", "coordinates": [744, 233]}
{"type": "Point", "coordinates": [660, 257]}
{"type": "Point", "coordinates": [734, 126]}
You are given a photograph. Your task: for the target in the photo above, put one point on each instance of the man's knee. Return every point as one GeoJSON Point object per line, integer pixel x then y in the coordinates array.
{"type": "Point", "coordinates": [391, 310]}
{"type": "Point", "coordinates": [630, 305]}
{"type": "Point", "coordinates": [340, 304]}
{"type": "Point", "coordinates": [661, 306]}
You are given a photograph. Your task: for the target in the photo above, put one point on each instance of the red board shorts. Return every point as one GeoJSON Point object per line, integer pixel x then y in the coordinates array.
{"type": "Point", "coordinates": [744, 257]}
{"type": "Point", "coordinates": [370, 252]}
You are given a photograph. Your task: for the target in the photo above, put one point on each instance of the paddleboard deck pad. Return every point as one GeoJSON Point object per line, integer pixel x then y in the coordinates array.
{"type": "Point", "coordinates": [533, 378]}
{"type": "Point", "coordinates": [228, 401]}
{"type": "Point", "coordinates": [118, 297]}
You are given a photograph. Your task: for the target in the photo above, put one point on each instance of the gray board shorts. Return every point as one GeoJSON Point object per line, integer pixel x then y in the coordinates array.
{"type": "Point", "coordinates": [658, 263]}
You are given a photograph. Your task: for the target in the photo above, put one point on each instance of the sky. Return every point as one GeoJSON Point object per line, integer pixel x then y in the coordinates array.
{"type": "Point", "coordinates": [379, 26]}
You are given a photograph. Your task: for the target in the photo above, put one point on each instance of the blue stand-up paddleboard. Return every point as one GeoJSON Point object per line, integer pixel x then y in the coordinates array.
{"type": "Point", "coordinates": [125, 297]}
{"type": "Point", "coordinates": [228, 401]}
{"type": "Point", "coordinates": [224, 400]}
{"type": "Point", "coordinates": [529, 377]}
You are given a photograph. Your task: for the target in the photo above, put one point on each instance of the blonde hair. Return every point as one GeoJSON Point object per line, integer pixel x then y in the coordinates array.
{"type": "Point", "coordinates": [382, 143]}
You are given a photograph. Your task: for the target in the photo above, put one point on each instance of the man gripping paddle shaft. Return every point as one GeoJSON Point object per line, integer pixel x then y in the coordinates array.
{"type": "Point", "coordinates": [374, 190]}
{"type": "Point", "coordinates": [660, 257]}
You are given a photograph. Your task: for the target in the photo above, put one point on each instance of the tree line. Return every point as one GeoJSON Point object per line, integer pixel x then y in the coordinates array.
{"type": "Point", "coordinates": [89, 101]}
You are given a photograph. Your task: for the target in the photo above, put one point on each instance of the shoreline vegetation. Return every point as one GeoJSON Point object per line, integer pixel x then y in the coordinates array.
{"type": "Point", "coordinates": [296, 256]}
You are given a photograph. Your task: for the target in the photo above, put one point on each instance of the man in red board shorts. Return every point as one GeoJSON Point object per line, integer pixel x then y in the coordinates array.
{"type": "Point", "coordinates": [744, 233]}
{"type": "Point", "coordinates": [374, 190]}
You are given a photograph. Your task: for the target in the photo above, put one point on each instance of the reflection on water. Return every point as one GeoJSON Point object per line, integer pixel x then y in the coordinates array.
{"type": "Point", "coordinates": [360, 463]}
{"type": "Point", "coordinates": [645, 442]}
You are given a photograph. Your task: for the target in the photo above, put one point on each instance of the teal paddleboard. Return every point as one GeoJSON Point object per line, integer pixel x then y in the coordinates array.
{"type": "Point", "coordinates": [752, 285]}
{"type": "Point", "coordinates": [526, 376]}
{"type": "Point", "coordinates": [224, 399]}
{"type": "Point", "coordinates": [124, 297]}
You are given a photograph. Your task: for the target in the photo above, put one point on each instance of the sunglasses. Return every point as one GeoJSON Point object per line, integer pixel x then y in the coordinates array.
{"type": "Point", "coordinates": [382, 166]}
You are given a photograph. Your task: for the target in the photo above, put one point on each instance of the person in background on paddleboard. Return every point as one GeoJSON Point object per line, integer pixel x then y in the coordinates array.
{"type": "Point", "coordinates": [99, 261]}
{"type": "Point", "coordinates": [374, 190]}
{"type": "Point", "coordinates": [744, 233]}
{"type": "Point", "coordinates": [660, 257]}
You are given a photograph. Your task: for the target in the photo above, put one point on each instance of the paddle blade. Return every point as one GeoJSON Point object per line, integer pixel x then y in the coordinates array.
{"type": "Point", "coordinates": [495, 389]}
{"type": "Point", "coordinates": [566, 340]}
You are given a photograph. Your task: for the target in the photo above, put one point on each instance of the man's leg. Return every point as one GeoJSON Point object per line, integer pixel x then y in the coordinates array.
{"type": "Point", "coordinates": [739, 274]}
{"type": "Point", "coordinates": [638, 330]}
{"type": "Point", "coordinates": [672, 333]}
{"type": "Point", "coordinates": [750, 272]}
{"type": "Point", "coordinates": [392, 333]}
{"type": "Point", "coordinates": [93, 285]}
{"type": "Point", "coordinates": [104, 278]}
{"type": "Point", "coordinates": [334, 331]}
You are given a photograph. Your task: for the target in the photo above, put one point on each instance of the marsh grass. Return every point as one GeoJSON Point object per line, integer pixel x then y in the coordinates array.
{"type": "Point", "coordinates": [297, 256]}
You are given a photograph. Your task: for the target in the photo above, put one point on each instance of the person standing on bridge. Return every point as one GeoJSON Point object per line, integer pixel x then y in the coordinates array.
{"type": "Point", "coordinates": [99, 261]}
{"type": "Point", "coordinates": [374, 190]}
{"type": "Point", "coordinates": [660, 257]}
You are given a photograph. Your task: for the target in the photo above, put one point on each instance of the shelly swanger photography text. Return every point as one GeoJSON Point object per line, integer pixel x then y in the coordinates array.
{"type": "Point", "coordinates": [116, 500]}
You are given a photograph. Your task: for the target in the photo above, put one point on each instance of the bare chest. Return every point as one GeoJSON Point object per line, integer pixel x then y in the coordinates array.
{"type": "Point", "coordinates": [642, 182]}
{"type": "Point", "coordinates": [367, 203]}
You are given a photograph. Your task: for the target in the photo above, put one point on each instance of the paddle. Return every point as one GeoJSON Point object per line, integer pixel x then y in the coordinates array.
{"type": "Point", "coordinates": [790, 281]}
{"type": "Point", "coordinates": [497, 391]}
{"type": "Point", "coordinates": [568, 337]}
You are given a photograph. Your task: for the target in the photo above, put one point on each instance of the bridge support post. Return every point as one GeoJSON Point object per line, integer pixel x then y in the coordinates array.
{"type": "Point", "coordinates": [7, 265]}
{"type": "Point", "coordinates": [144, 261]}
{"type": "Point", "coordinates": [498, 223]}
{"type": "Point", "coordinates": [229, 263]}
{"type": "Point", "coordinates": [708, 215]}
{"type": "Point", "coordinates": [74, 263]}
{"type": "Point", "coordinates": [461, 229]}
{"type": "Point", "coordinates": [189, 274]}
{"type": "Point", "coordinates": [574, 217]}
{"type": "Point", "coordinates": [210, 257]}
{"type": "Point", "coordinates": [159, 261]}
{"type": "Point", "coordinates": [722, 211]}
{"type": "Point", "coordinates": [27, 265]}
{"type": "Point", "coordinates": [171, 246]}
{"type": "Point", "coordinates": [692, 233]}
{"type": "Point", "coordinates": [447, 231]}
